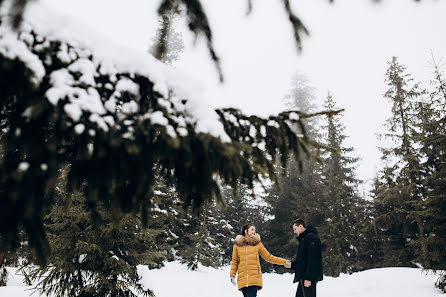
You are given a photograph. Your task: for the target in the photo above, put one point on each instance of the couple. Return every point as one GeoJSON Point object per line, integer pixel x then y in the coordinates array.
{"type": "Point", "coordinates": [307, 266]}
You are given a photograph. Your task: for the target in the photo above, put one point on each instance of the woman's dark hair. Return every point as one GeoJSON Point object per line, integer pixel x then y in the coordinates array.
{"type": "Point", "coordinates": [246, 227]}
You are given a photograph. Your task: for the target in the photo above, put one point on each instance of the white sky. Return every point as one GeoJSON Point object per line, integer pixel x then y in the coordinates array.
{"type": "Point", "coordinates": [346, 53]}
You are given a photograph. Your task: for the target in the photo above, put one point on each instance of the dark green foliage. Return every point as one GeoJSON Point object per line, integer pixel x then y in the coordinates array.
{"type": "Point", "coordinates": [188, 237]}
{"type": "Point", "coordinates": [115, 162]}
{"type": "Point", "coordinates": [324, 195]}
{"type": "Point", "coordinates": [300, 186]}
{"type": "Point", "coordinates": [88, 261]}
{"type": "Point", "coordinates": [166, 214]}
{"type": "Point", "coordinates": [198, 244]}
{"type": "Point", "coordinates": [299, 197]}
{"type": "Point", "coordinates": [400, 183]}
{"type": "Point", "coordinates": [342, 207]}
{"type": "Point", "coordinates": [431, 210]}
{"type": "Point", "coordinates": [409, 206]}
{"type": "Point", "coordinates": [241, 207]}
{"type": "Point", "coordinates": [369, 253]}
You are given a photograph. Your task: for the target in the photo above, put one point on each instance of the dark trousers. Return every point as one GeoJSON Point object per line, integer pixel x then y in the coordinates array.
{"type": "Point", "coordinates": [306, 292]}
{"type": "Point", "coordinates": [250, 291]}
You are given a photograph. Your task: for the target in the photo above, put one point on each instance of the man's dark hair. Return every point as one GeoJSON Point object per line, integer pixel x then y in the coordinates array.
{"type": "Point", "coordinates": [246, 227]}
{"type": "Point", "coordinates": [299, 222]}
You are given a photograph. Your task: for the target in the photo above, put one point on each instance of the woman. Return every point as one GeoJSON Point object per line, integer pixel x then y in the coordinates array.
{"type": "Point", "coordinates": [245, 261]}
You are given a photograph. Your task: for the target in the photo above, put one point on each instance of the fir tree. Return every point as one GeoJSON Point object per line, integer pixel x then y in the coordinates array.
{"type": "Point", "coordinates": [400, 183]}
{"type": "Point", "coordinates": [240, 208]}
{"type": "Point", "coordinates": [88, 261]}
{"type": "Point", "coordinates": [298, 197]}
{"type": "Point", "coordinates": [186, 236]}
{"type": "Point", "coordinates": [298, 193]}
{"type": "Point", "coordinates": [200, 246]}
{"type": "Point", "coordinates": [343, 208]}
{"type": "Point", "coordinates": [431, 210]}
{"type": "Point", "coordinates": [112, 153]}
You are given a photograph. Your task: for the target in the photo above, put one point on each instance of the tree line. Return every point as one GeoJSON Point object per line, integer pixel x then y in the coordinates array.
{"type": "Point", "coordinates": [402, 225]}
{"type": "Point", "coordinates": [73, 204]}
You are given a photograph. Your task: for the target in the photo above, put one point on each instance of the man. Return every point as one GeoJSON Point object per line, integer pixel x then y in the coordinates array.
{"type": "Point", "coordinates": [308, 264]}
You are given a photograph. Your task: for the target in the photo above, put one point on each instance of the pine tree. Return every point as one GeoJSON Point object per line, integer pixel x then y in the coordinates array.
{"type": "Point", "coordinates": [112, 152]}
{"type": "Point", "coordinates": [344, 209]}
{"type": "Point", "coordinates": [298, 197]}
{"type": "Point", "coordinates": [240, 208]}
{"type": "Point", "coordinates": [431, 210]}
{"type": "Point", "coordinates": [400, 182]}
{"type": "Point", "coordinates": [369, 253]}
{"type": "Point", "coordinates": [299, 191]}
{"type": "Point", "coordinates": [200, 245]}
{"type": "Point", "coordinates": [93, 261]}
{"type": "Point", "coordinates": [191, 238]}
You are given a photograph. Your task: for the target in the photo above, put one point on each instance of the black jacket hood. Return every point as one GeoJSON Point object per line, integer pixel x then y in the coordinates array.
{"type": "Point", "coordinates": [309, 229]}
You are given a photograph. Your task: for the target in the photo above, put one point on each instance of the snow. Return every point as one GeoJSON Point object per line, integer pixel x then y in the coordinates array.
{"type": "Point", "coordinates": [293, 116]}
{"type": "Point", "coordinates": [82, 258]}
{"type": "Point", "coordinates": [130, 107]}
{"type": "Point", "coordinates": [86, 69]}
{"type": "Point", "coordinates": [23, 166]}
{"type": "Point", "coordinates": [90, 54]}
{"type": "Point", "coordinates": [157, 118]}
{"type": "Point", "coordinates": [272, 123]}
{"type": "Point", "coordinates": [210, 282]}
{"type": "Point", "coordinates": [79, 128]}
{"type": "Point", "coordinates": [13, 48]}
{"type": "Point", "coordinates": [127, 85]}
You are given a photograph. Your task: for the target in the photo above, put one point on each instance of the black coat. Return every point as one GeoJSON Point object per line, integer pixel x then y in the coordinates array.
{"type": "Point", "coordinates": [308, 264]}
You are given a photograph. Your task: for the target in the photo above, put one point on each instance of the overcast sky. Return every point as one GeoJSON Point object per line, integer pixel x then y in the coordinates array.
{"type": "Point", "coordinates": [346, 53]}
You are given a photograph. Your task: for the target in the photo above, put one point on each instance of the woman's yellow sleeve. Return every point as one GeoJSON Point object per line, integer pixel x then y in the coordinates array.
{"type": "Point", "coordinates": [268, 257]}
{"type": "Point", "coordinates": [234, 263]}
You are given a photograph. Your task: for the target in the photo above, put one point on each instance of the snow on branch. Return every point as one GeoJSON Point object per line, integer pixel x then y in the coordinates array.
{"type": "Point", "coordinates": [70, 99]}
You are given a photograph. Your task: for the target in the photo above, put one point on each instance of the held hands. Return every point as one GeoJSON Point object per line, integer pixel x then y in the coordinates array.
{"type": "Point", "coordinates": [233, 280]}
{"type": "Point", "coordinates": [287, 264]}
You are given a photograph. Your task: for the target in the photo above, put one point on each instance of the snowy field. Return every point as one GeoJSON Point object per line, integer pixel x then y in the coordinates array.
{"type": "Point", "coordinates": [175, 280]}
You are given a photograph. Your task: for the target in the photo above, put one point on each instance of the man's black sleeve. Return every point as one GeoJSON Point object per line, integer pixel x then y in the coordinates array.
{"type": "Point", "coordinates": [314, 260]}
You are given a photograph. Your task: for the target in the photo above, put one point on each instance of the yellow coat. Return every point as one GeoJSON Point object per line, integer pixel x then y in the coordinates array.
{"type": "Point", "coordinates": [245, 260]}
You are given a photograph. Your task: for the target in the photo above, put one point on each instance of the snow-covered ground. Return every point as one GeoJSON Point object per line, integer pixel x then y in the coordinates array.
{"type": "Point", "coordinates": [175, 280]}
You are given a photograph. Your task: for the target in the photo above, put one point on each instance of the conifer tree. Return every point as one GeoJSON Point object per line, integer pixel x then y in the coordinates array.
{"type": "Point", "coordinates": [431, 210]}
{"type": "Point", "coordinates": [165, 215]}
{"type": "Point", "coordinates": [400, 182]}
{"type": "Point", "coordinates": [342, 206]}
{"type": "Point", "coordinates": [298, 193]}
{"type": "Point", "coordinates": [88, 261]}
{"type": "Point", "coordinates": [200, 245]}
{"type": "Point", "coordinates": [240, 208]}
{"type": "Point", "coordinates": [113, 144]}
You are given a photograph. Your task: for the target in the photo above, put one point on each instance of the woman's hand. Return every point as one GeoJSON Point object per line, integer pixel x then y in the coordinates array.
{"type": "Point", "coordinates": [233, 280]}
{"type": "Point", "coordinates": [287, 264]}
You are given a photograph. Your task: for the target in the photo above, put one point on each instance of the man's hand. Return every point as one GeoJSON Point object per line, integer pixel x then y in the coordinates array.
{"type": "Point", "coordinates": [233, 280]}
{"type": "Point", "coordinates": [307, 283]}
{"type": "Point", "coordinates": [287, 264]}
